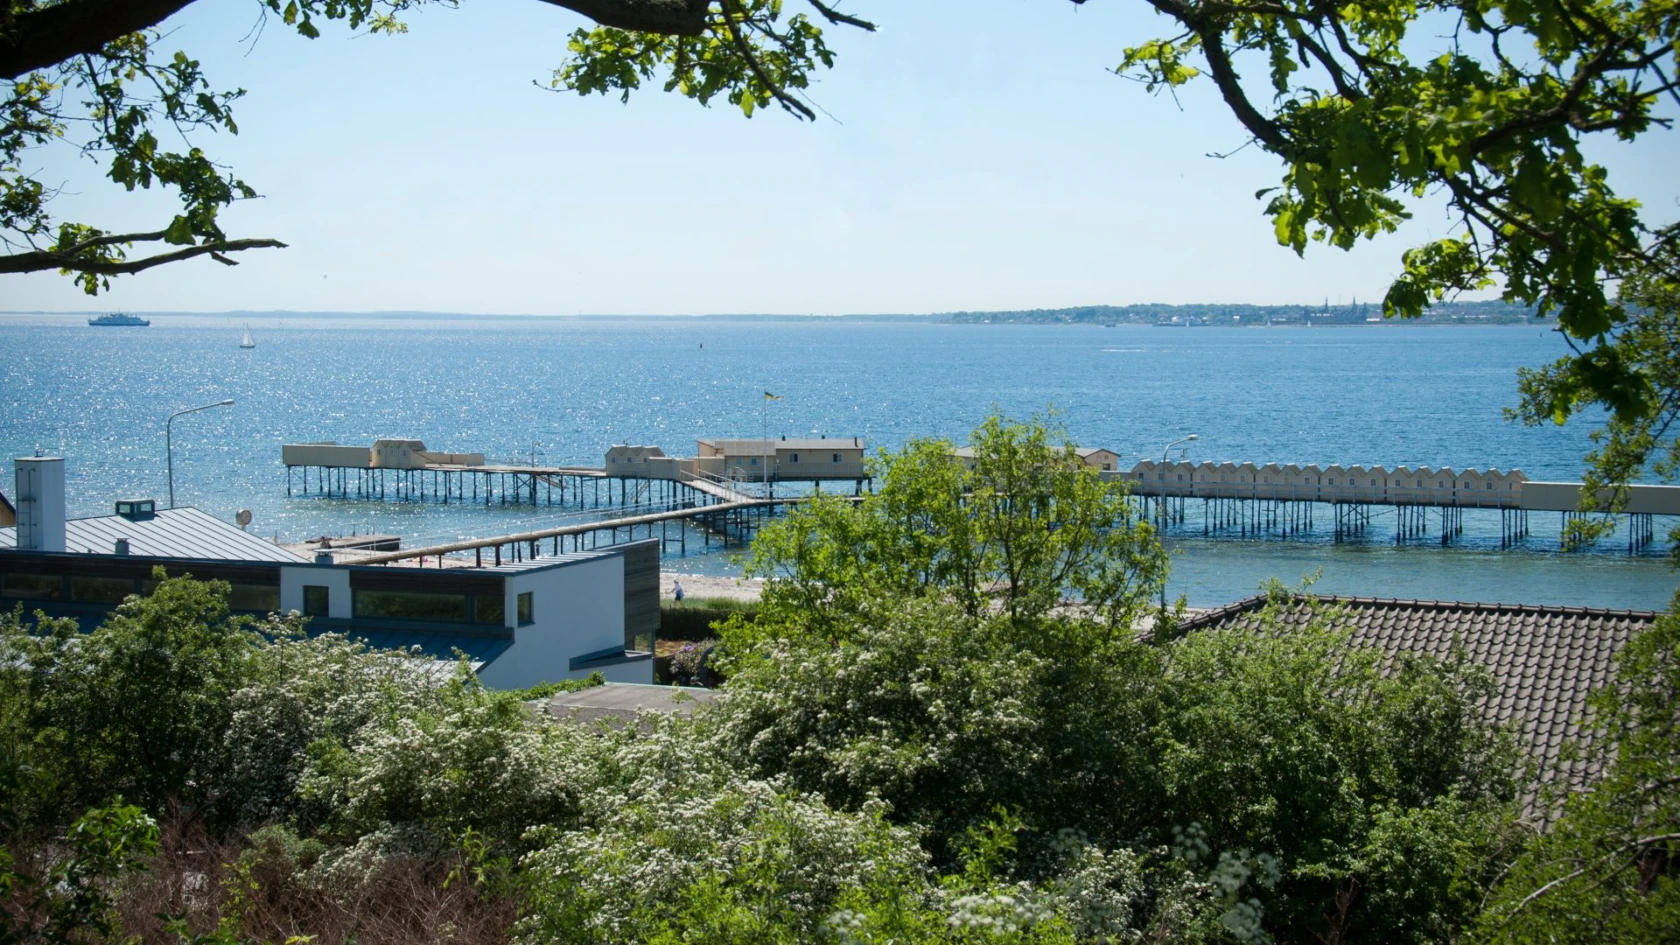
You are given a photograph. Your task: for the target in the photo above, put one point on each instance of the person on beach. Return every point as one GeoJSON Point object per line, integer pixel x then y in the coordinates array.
{"type": "Point", "coordinates": [677, 585]}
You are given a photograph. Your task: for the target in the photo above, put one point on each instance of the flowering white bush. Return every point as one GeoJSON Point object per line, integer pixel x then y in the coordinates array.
{"type": "Point", "coordinates": [305, 691]}
{"type": "Point", "coordinates": [681, 841]}
{"type": "Point", "coordinates": [470, 759]}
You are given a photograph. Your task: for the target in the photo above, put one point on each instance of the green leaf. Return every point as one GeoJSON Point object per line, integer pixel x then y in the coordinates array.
{"type": "Point", "coordinates": [179, 233]}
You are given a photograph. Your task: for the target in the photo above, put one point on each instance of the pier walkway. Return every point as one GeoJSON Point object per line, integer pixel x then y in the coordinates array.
{"type": "Point", "coordinates": [643, 489]}
{"type": "Point", "coordinates": [723, 518]}
{"type": "Point", "coordinates": [1248, 500]}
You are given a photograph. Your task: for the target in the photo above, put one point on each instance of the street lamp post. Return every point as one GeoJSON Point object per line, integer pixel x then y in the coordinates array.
{"type": "Point", "coordinates": [1185, 439]}
{"type": "Point", "coordinates": [1162, 511]}
{"type": "Point", "coordinates": [169, 440]}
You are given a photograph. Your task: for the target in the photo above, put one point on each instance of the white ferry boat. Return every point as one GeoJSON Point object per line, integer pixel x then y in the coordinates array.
{"type": "Point", "coordinates": [118, 320]}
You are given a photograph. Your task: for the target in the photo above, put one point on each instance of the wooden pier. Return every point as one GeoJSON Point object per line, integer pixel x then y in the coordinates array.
{"type": "Point", "coordinates": [733, 520]}
{"type": "Point", "coordinates": [643, 491]}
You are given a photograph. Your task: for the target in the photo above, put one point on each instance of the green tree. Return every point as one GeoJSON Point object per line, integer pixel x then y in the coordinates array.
{"type": "Point", "coordinates": [1366, 109]}
{"type": "Point", "coordinates": [1640, 439]}
{"type": "Point", "coordinates": [70, 895]}
{"type": "Point", "coordinates": [134, 709]}
{"type": "Point", "coordinates": [1316, 794]}
{"type": "Point", "coordinates": [89, 74]}
{"type": "Point", "coordinates": [1606, 871]}
{"type": "Point", "coordinates": [1021, 528]}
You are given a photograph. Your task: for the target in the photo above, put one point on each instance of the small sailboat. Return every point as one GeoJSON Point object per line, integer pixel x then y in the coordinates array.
{"type": "Point", "coordinates": [245, 340]}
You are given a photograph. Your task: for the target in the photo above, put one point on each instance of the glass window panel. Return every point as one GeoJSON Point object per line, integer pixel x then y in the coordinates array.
{"type": "Point", "coordinates": [488, 608]}
{"type": "Point", "coordinates": [100, 590]}
{"type": "Point", "coordinates": [32, 586]}
{"type": "Point", "coordinates": [262, 598]}
{"type": "Point", "coordinates": [525, 608]}
{"type": "Point", "coordinates": [394, 605]}
{"type": "Point", "coordinates": [315, 600]}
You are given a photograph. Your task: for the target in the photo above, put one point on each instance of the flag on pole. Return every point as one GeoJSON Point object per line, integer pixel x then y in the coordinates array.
{"type": "Point", "coordinates": [770, 396]}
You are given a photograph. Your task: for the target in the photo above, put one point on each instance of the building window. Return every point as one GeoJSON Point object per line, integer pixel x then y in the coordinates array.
{"type": "Point", "coordinates": [100, 590]}
{"type": "Point", "coordinates": [405, 605]}
{"type": "Point", "coordinates": [755, 460]}
{"type": "Point", "coordinates": [793, 457]}
{"type": "Point", "coordinates": [488, 608]}
{"type": "Point", "coordinates": [32, 586]}
{"type": "Point", "coordinates": [525, 608]}
{"type": "Point", "coordinates": [315, 598]}
{"type": "Point", "coordinates": [837, 457]}
{"type": "Point", "coordinates": [259, 598]}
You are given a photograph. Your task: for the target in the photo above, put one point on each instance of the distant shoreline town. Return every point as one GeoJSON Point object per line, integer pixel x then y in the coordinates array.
{"type": "Point", "coordinates": [1187, 315]}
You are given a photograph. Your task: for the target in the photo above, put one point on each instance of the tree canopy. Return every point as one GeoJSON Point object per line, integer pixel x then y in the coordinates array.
{"type": "Point", "coordinates": [1019, 525]}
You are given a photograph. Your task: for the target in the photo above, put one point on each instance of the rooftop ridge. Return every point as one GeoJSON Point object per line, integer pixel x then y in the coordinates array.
{"type": "Point", "coordinates": [1258, 601]}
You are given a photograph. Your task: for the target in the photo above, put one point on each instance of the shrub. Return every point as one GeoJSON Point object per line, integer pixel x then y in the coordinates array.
{"type": "Point", "coordinates": [693, 619]}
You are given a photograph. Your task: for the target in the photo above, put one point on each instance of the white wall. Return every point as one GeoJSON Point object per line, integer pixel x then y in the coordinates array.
{"type": "Point", "coordinates": [576, 610]}
{"type": "Point", "coordinates": [337, 580]}
{"type": "Point", "coordinates": [40, 503]}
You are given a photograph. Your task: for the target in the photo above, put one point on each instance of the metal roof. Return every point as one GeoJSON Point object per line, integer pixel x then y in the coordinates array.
{"type": "Point", "coordinates": [168, 533]}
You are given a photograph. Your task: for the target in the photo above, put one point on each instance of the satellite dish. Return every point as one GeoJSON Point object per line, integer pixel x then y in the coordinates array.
{"type": "Point", "coordinates": [243, 517]}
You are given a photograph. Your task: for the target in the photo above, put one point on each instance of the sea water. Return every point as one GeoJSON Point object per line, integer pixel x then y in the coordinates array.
{"type": "Point", "coordinates": [559, 391]}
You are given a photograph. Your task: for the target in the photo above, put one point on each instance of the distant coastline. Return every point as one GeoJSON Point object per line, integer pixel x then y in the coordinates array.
{"type": "Point", "coordinates": [1187, 315]}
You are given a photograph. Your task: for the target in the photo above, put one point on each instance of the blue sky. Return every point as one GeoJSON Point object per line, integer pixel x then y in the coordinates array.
{"type": "Point", "coordinates": [981, 156]}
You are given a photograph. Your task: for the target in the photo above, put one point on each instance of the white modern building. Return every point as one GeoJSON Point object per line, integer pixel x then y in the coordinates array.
{"type": "Point", "coordinates": [519, 624]}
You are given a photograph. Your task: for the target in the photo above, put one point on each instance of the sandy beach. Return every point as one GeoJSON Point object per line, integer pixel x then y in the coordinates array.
{"type": "Point", "coordinates": [696, 586]}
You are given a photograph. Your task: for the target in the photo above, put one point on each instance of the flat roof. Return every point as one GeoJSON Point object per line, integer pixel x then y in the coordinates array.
{"type": "Point", "coordinates": [1083, 452]}
{"type": "Point", "coordinates": [548, 561]}
{"type": "Point", "coordinates": [441, 646]}
{"type": "Point", "coordinates": [748, 447]}
{"type": "Point", "coordinates": [618, 703]}
{"type": "Point", "coordinates": [167, 533]}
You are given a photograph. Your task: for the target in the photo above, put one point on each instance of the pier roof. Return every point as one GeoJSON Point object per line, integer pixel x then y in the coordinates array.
{"type": "Point", "coordinates": [1544, 660]}
{"type": "Point", "coordinates": [752, 446]}
{"type": "Point", "coordinates": [166, 533]}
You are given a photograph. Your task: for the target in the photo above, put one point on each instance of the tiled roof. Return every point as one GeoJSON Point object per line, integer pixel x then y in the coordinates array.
{"type": "Point", "coordinates": [168, 533]}
{"type": "Point", "coordinates": [1544, 660]}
